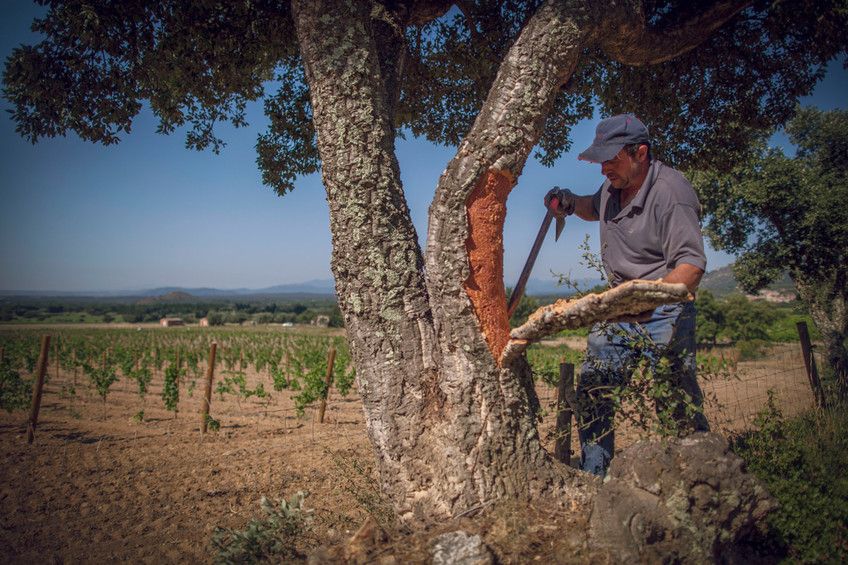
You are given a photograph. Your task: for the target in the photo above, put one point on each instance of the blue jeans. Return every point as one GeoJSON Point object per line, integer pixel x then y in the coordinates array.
{"type": "Point", "coordinates": [613, 352]}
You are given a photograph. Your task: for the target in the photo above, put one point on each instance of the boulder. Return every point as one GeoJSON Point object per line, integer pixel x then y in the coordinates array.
{"type": "Point", "coordinates": [682, 500]}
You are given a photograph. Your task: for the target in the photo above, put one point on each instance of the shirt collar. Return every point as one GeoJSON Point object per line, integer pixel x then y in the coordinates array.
{"type": "Point", "coordinates": [650, 179]}
{"type": "Point", "coordinates": [642, 195]}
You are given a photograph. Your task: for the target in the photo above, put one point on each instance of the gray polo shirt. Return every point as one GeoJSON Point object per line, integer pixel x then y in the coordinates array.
{"type": "Point", "coordinates": [657, 231]}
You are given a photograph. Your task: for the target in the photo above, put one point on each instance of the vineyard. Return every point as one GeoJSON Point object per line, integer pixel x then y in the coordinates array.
{"type": "Point", "coordinates": [118, 459]}
{"type": "Point", "coordinates": [93, 361]}
{"type": "Point", "coordinates": [120, 470]}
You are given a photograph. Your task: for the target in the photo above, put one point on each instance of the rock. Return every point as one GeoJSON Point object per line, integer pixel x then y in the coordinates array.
{"type": "Point", "coordinates": [681, 500]}
{"type": "Point", "coordinates": [460, 548]}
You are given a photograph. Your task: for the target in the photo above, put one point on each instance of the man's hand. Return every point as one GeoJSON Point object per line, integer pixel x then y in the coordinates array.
{"type": "Point", "coordinates": [567, 201]}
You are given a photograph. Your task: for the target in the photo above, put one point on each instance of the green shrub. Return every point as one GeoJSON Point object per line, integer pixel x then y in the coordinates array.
{"type": "Point", "coordinates": [802, 463]}
{"type": "Point", "coordinates": [282, 536]}
{"type": "Point", "coordinates": [751, 349]}
{"type": "Point", "coordinates": [171, 388]}
{"type": "Point", "coordinates": [15, 392]}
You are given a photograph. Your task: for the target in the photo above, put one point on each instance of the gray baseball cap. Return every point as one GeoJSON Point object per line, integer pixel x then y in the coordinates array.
{"type": "Point", "coordinates": [612, 134]}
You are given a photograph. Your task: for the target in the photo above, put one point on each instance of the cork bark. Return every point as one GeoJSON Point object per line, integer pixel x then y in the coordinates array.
{"type": "Point", "coordinates": [629, 298]}
{"type": "Point", "coordinates": [451, 428]}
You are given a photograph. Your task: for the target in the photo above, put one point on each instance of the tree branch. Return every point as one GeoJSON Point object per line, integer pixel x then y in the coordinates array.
{"type": "Point", "coordinates": [629, 40]}
{"type": "Point", "coordinates": [469, 20]}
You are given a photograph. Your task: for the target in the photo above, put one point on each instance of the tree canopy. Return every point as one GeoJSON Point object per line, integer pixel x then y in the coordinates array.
{"type": "Point", "coordinates": [198, 63]}
{"type": "Point", "coordinates": [783, 213]}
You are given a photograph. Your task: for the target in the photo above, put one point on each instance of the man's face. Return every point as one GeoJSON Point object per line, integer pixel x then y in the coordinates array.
{"type": "Point", "coordinates": [626, 171]}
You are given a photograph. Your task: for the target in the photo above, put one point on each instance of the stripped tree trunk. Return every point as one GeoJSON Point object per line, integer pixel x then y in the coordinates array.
{"type": "Point", "coordinates": [452, 429]}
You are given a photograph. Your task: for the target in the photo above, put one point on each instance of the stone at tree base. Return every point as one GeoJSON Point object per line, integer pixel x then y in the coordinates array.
{"type": "Point", "coordinates": [681, 500]}
{"type": "Point", "coordinates": [460, 548]}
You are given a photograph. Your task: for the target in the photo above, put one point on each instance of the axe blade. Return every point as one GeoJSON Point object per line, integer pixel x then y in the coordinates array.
{"type": "Point", "coordinates": [560, 225]}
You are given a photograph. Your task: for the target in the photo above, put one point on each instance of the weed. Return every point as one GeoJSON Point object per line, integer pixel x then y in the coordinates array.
{"type": "Point", "coordinates": [751, 349]}
{"type": "Point", "coordinates": [802, 463]}
{"type": "Point", "coordinates": [357, 479]}
{"type": "Point", "coordinates": [212, 424]}
{"type": "Point", "coordinates": [283, 535]}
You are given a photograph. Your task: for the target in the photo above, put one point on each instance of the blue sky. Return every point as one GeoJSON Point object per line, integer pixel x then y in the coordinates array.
{"type": "Point", "coordinates": [148, 212]}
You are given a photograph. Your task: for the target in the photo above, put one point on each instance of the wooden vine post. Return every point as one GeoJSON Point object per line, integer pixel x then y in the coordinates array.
{"type": "Point", "coordinates": [56, 357]}
{"type": "Point", "coordinates": [207, 392]}
{"type": "Point", "coordinates": [564, 405]}
{"type": "Point", "coordinates": [331, 359]}
{"type": "Point", "coordinates": [38, 387]}
{"type": "Point", "coordinates": [810, 364]}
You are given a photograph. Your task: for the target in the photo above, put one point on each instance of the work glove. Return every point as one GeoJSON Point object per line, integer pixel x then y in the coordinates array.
{"type": "Point", "coordinates": [567, 201]}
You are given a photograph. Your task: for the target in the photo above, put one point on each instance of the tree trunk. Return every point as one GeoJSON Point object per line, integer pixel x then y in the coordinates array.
{"type": "Point", "coordinates": [450, 428]}
{"type": "Point", "coordinates": [376, 260]}
{"type": "Point", "coordinates": [829, 311]}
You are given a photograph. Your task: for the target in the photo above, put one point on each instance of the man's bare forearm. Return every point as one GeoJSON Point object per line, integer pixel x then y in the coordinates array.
{"type": "Point", "coordinates": [690, 275]}
{"type": "Point", "coordinates": [584, 210]}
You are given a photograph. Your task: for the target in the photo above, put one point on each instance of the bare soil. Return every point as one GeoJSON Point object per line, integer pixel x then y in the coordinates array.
{"type": "Point", "coordinates": [97, 485]}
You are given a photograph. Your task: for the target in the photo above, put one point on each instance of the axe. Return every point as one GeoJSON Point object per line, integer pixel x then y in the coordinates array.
{"type": "Point", "coordinates": [518, 291]}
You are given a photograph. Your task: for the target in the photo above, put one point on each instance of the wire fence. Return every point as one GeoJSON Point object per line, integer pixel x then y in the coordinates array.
{"type": "Point", "coordinates": [735, 392]}
{"type": "Point", "coordinates": [732, 401]}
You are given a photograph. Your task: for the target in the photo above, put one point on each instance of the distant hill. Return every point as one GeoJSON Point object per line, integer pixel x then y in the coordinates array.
{"type": "Point", "coordinates": [722, 282]}
{"type": "Point", "coordinates": [549, 287]}
{"type": "Point", "coordinates": [170, 298]}
{"type": "Point", "coordinates": [324, 288]}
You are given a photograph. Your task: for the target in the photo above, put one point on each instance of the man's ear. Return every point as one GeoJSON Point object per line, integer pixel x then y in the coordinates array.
{"type": "Point", "coordinates": [642, 153]}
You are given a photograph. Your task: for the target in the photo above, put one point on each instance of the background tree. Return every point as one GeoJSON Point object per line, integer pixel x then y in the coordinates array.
{"type": "Point", "coordinates": [711, 317]}
{"type": "Point", "coordinates": [783, 213]}
{"type": "Point", "coordinates": [746, 319]}
{"type": "Point", "coordinates": [452, 430]}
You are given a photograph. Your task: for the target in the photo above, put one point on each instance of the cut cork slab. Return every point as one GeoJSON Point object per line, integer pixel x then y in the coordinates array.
{"type": "Point", "coordinates": [627, 299]}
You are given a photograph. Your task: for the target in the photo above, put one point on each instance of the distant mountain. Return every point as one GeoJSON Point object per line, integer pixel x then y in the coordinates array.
{"type": "Point", "coordinates": [321, 287]}
{"type": "Point", "coordinates": [315, 287]}
{"type": "Point", "coordinates": [549, 287]}
{"type": "Point", "coordinates": [170, 298]}
{"type": "Point", "coordinates": [722, 282]}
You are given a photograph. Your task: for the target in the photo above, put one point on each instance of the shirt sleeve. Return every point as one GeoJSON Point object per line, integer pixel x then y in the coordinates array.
{"type": "Point", "coordinates": [681, 237]}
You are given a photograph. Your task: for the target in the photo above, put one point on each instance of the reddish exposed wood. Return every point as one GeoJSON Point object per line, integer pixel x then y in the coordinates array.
{"type": "Point", "coordinates": [486, 206]}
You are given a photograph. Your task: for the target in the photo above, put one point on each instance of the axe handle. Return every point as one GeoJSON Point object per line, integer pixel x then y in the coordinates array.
{"type": "Point", "coordinates": [518, 291]}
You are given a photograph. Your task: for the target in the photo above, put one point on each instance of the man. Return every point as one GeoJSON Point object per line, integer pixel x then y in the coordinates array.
{"type": "Point", "coordinates": [649, 220]}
